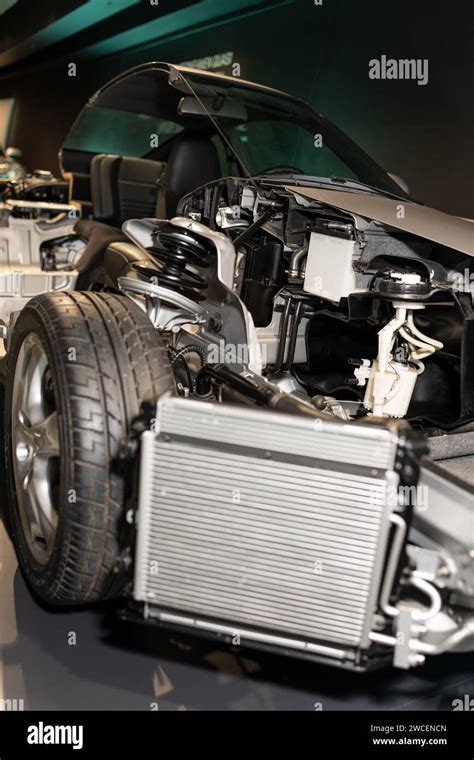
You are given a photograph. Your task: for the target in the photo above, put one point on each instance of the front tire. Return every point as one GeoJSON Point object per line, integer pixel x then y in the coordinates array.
{"type": "Point", "coordinates": [79, 368]}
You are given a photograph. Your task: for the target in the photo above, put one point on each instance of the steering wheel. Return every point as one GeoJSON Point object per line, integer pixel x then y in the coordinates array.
{"type": "Point", "coordinates": [279, 169]}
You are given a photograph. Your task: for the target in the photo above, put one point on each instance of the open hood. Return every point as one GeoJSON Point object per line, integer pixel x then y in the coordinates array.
{"type": "Point", "coordinates": [405, 215]}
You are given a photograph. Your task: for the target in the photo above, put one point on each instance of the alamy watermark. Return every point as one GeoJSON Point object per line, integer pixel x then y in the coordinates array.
{"type": "Point", "coordinates": [12, 705]}
{"type": "Point", "coordinates": [404, 68]}
{"type": "Point", "coordinates": [402, 496]}
{"type": "Point", "coordinates": [236, 353]}
{"type": "Point", "coordinates": [463, 281]}
{"type": "Point", "coordinates": [463, 704]}
{"type": "Point", "coordinates": [42, 733]}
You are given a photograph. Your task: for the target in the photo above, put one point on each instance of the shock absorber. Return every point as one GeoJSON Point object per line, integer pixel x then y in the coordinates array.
{"type": "Point", "coordinates": [180, 253]}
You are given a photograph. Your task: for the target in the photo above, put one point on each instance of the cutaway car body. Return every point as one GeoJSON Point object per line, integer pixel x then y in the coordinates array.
{"type": "Point", "coordinates": [240, 387]}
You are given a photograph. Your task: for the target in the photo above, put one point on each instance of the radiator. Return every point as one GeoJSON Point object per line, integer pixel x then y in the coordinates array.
{"type": "Point", "coordinates": [264, 525]}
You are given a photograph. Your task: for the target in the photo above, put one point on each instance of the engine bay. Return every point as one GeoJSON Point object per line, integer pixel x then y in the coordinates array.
{"type": "Point", "coordinates": [349, 314]}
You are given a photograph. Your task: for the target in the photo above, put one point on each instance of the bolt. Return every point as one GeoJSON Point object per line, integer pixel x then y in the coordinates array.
{"type": "Point", "coordinates": [215, 323]}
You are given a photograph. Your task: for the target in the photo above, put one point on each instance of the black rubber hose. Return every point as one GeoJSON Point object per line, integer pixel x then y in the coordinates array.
{"type": "Point", "coordinates": [283, 334]}
{"type": "Point", "coordinates": [295, 322]}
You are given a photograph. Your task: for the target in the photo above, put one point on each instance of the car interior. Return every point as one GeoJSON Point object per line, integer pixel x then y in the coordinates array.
{"type": "Point", "coordinates": [124, 187]}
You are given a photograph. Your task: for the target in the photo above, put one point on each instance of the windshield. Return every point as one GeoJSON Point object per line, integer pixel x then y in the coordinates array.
{"type": "Point", "coordinates": [286, 136]}
{"type": "Point", "coordinates": [143, 112]}
{"type": "Point", "coordinates": [271, 144]}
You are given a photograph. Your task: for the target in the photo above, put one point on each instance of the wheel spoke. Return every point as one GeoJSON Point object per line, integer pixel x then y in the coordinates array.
{"type": "Point", "coordinates": [30, 390]}
{"type": "Point", "coordinates": [46, 434]}
{"type": "Point", "coordinates": [30, 505]}
{"type": "Point", "coordinates": [40, 498]}
{"type": "Point", "coordinates": [35, 443]}
{"type": "Point", "coordinates": [24, 468]}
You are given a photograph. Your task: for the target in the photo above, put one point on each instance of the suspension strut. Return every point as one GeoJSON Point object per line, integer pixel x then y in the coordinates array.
{"type": "Point", "coordinates": [179, 253]}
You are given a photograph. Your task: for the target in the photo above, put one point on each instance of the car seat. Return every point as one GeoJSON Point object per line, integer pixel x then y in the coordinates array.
{"type": "Point", "coordinates": [125, 188]}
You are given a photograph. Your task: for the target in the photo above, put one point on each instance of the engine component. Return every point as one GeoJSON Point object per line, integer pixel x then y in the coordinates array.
{"type": "Point", "coordinates": [391, 382]}
{"type": "Point", "coordinates": [274, 338]}
{"type": "Point", "coordinates": [62, 253]}
{"type": "Point", "coordinates": [249, 387]}
{"type": "Point", "coordinates": [265, 526]}
{"type": "Point", "coordinates": [229, 217]}
{"type": "Point", "coordinates": [262, 280]}
{"type": "Point", "coordinates": [402, 285]}
{"type": "Point", "coordinates": [22, 238]}
{"type": "Point", "coordinates": [296, 263]}
{"type": "Point", "coordinates": [389, 390]}
{"type": "Point", "coordinates": [329, 272]}
{"type": "Point", "coordinates": [179, 252]}
{"type": "Point", "coordinates": [192, 260]}
{"type": "Point", "coordinates": [41, 186]}
{"type": "Point", "coordinates": [288, 332]}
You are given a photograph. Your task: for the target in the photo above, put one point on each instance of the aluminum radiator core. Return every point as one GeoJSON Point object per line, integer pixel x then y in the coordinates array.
{"type": "Point", "coordinates": [267, 525]}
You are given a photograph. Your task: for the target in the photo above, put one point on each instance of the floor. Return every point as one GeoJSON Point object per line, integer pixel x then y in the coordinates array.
{"type": "Point", "coordinates": [89, 660]}
{"type": "Point", "coordinates": [461, 467]}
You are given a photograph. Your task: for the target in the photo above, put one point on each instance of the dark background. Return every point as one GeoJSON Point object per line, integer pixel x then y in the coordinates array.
{"type": "Point", "coordinates": [321, 53]}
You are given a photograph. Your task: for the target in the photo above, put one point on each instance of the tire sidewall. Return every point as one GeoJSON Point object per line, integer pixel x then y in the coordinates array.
{"type": "Point", "coordinates": [41, 577]}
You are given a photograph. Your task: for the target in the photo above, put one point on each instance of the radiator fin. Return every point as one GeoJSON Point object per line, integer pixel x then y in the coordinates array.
{"type": "Point", "coordinates": [229, 534]}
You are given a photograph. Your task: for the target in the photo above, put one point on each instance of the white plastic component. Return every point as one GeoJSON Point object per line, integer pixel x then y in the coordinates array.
{"type": "Point", "coordinates": [329, 272]}
{"type": "Point", "coordinates": [390, 383]}
{"type": "Point", "coordinates": [362, 373]}
{"type": "Point", "coordinates": [389, 392]}
{"type": "Point", "coordinates": [381, 382]}
{"type": "Point", "coordinates": [408, 278]}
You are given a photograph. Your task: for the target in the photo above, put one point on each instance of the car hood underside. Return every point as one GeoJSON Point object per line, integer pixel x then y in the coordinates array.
{"type": "Point", "coordinates": [447, 230]}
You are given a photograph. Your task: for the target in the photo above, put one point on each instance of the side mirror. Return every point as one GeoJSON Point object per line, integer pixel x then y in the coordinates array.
{"type": "Point", "coordinates": [15, 153]}
{"type": "Point", "coordinates": [400, 182]}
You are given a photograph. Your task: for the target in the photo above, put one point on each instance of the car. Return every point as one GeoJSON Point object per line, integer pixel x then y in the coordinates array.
{"type": "Point", "coordinates": [239, 368]}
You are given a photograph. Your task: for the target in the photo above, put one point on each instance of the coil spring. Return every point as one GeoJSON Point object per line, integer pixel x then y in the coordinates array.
{"type": "Point", "coordinates": [178, 251]}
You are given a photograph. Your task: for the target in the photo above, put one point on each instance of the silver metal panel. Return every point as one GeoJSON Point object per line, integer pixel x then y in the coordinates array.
{"type": "Point", "coordinates": [252, 518]}
{"type": "Point", "coordinates": [424, 221]}
{"type": "Point", "coordinates": [362, 444]}
{"type": "Point", "coordinates": [453, 538]}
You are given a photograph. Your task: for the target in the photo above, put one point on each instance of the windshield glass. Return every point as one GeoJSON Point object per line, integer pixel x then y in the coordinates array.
{"type": "Point", "coordinates": [111, 130]}
{"type": "Point", "coordinates": [271, 134]}
{"type": "Point", "coordinates": [272, 144]}
{"type": "Point", "coordinates": [143, 113]}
